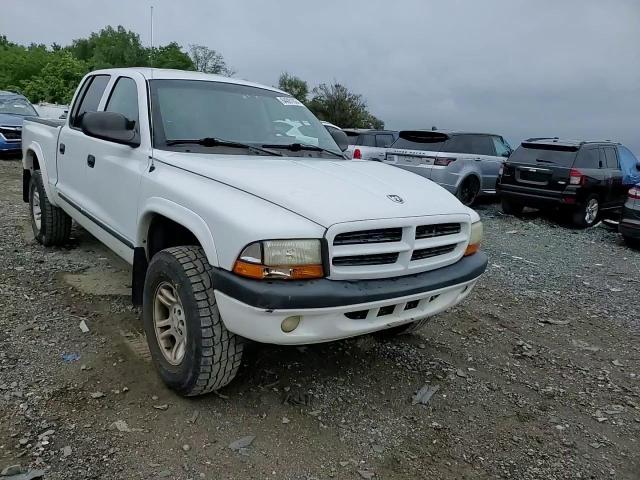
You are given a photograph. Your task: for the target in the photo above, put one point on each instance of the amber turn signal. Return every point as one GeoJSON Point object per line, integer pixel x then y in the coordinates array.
{"type": "Point", "coordinates": [290, 272]}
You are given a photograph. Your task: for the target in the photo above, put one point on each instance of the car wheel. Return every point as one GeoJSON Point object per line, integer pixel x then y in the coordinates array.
{"type": "Point", "coordinates": [511, 208]}
{"type": "Point", "coordinates": [469, 190]}
{"type": "Point", "coordinates": [405, 329]}
{"type": "Point", "coordinates": [191, 348]}
{"type": "Point", "coordinates": [587, 215]}
{"type": "Point", "coordinates": [50, 225]}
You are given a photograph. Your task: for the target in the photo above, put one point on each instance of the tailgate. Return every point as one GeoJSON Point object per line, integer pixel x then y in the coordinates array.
{"type": "Point", "coordinates": [416, 161]}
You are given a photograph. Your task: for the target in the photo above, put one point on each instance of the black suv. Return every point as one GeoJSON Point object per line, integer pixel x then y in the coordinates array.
{"type": "Point", "coordinates": [582, 177]}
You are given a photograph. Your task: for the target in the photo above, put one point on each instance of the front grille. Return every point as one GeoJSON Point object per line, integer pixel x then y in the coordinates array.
{"type": "Point", "coordinates": [382, 235]}
{"type": "Point", "coordinates": [437, 230]}
{"type": "Point", "coordinates": [423, 253]}
{"type": "Point", "coordinates": [359, 260]}
{"type": "Point", "coordinates": [10, 133]}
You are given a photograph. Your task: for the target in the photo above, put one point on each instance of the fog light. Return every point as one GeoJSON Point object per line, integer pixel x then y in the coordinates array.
{"type": "Point", "coordinates": [289, 324]}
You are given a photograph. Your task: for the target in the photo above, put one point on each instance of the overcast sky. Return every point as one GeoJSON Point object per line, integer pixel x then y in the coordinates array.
{"type": "Point", "coordinates": [519, 68]}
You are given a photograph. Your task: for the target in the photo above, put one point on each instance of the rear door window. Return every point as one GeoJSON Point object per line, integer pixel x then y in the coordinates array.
{"type": "Point", "coordinates": [547, 155]}
{"type": "Point", "coordinates": [611, 157]}
{"type": "Point", "coordinates": [90, 98]}
{"type": "Point", "coordinates": [420, 140]}
{"type": "Point", "coordinates": [589, 158]}
{"type": "Point", "coordinates": [383, 140]}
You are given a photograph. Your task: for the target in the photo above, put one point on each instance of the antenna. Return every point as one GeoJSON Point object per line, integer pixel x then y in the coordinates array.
{"type": "Point", "coordinates": [152, 167]}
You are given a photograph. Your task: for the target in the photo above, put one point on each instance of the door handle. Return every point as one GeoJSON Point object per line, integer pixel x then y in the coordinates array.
{"type": "Point", "coordinates": [62, 148]}
{"type": "Point", "coordinates": [91, 161]}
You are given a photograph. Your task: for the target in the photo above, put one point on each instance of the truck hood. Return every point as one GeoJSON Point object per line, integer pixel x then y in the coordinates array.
{"type": "Point", "coordinates": [324, 191]}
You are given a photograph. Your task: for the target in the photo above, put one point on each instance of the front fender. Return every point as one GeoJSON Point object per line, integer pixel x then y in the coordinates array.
{"type": "Point", "coordinates": [181, 215]}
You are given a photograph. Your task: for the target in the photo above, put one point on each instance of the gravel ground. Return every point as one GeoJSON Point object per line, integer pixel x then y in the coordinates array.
{"type": "Point", "coordinates": [538, 374]}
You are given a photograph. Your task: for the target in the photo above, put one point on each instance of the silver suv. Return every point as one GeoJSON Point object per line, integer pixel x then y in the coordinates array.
{"type": "Point", "coordinates": [466, 164]}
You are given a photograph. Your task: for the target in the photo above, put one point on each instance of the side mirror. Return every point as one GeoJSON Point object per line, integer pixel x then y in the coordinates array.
{"type": "Point", "coordinates": [110, 126]}
{"type": "Point", "coordinates": [339, 137]}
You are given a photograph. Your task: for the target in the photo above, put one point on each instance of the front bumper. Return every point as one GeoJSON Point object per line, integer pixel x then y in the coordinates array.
{"type": "Point", "coordinates": [255, 309]}
{"type": "Point", "coordinates": [538, 197]}
{"type": "Point", "coordinates": [6, 146]}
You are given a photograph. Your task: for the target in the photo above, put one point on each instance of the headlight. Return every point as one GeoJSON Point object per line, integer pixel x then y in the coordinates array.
{"type": "Point", "coordinates": [475, 238]}
{"type": "Point", "coordinates": [281, 259]}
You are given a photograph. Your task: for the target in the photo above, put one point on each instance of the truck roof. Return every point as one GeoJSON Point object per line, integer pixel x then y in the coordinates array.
{"type": "Point", "coordinates": [171, 74]}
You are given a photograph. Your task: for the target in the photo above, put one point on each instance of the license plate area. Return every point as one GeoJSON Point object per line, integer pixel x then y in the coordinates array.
{"type": "Point", "coordinates": [533, 176]}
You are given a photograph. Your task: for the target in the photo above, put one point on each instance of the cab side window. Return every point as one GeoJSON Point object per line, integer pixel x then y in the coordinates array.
{"type": "Point", "coordinates": [124, 99]}
{"type": "Point", "coordinates": [88, 99]}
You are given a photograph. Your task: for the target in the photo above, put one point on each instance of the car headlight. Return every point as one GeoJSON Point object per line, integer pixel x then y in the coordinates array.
{"type": "Point", "coordinates": [281, 259]}
{"type": "Point", "coordinates": [475, 238]}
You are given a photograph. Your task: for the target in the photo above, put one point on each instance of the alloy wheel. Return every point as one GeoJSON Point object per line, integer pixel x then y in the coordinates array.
{"type": "Point", "coordinates": [169, 322]}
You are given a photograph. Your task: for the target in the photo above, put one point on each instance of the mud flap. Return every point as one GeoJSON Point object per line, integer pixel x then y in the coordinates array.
{"type": "Point", "coordinates": [138, 275]}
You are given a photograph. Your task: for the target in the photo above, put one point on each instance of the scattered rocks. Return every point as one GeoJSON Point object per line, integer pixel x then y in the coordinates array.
{"type": "Point", "coordinates": [424, 394]}
{"type": "Point", "coordinates": [242, 443]}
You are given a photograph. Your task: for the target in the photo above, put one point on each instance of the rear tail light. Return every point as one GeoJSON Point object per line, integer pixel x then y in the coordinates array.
{"type": "Point", "coordinates": [634, 193]}
{"type": "Point", "coordinates": [576, 177]}
{"type": "Point", "coordinates": [443, 162]}
{"type": "Point", "coordinates": [357, 154]}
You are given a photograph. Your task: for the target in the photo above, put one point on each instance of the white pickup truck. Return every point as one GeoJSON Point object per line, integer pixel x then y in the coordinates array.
{"type": "Point", "coordinates": [237, 227]}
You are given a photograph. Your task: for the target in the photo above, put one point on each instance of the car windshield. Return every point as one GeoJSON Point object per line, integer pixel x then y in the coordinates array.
{"type": "Point", "coordinates": [17, 106]}
{"type": "Point", "coordinates": [195, 109]}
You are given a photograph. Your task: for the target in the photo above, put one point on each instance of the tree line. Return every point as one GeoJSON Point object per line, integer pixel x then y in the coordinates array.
{"type": "Point", "coordinates": [51, 73]}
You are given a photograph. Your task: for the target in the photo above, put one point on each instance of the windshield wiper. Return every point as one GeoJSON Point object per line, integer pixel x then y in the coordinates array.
{"type": "Point", "coordinates": [217, 142]}
{"type": "Point", "coordinates": [296, 147]}
{"type": "Point", "coordinates": [543, 161]}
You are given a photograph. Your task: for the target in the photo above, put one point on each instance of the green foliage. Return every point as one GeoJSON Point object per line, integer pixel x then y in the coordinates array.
{"type": "Point", "coordinates": [294, 86]}
{"type": "Point", "coordinates": [52, 74]}
{"type": "Point", "coordinates": [109, 48]}
{"type": "Point", "coordinates": [336, 104]}
{"type": "Point", "coordinates": [57, 81]}
{"type": "Point", "coordinates": [171, 56]}
{"type": "Point", "coordinates": [208, 60]}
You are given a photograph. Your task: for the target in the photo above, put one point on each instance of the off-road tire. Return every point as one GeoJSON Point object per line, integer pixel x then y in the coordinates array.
{"type": "Point", "coordinates": [579, 215]}
{"type": "Point", "coordinates": [212, 353]}
{"type": "Point", "coordinates": [405, 329]}
{"type": "Point", "coordinates": [55, 224]}
{"type": "Point", "coordinates": [511, 208]}
{"type": "Point", "coordinates": [469, 190]}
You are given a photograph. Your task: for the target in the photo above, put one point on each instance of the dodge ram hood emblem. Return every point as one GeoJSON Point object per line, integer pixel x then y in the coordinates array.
{"type": "Point", "coordinates": [395, 198]}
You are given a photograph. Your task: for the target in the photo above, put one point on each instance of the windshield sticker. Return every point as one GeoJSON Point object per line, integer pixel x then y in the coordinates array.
{"type": "Point", "coordinates": [290, 101]}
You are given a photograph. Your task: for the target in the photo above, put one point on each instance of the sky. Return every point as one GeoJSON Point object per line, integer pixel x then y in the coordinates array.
{"type": "Point", "coordinates": [519, 68]}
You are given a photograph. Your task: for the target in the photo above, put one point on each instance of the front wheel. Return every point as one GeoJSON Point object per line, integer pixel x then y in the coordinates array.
{"type": "Point", "coordinates": [587, 215]}
{"type": "Point", "coordinates": [190, 345]}
{"type": "Point", "coordinates": [469, 190]}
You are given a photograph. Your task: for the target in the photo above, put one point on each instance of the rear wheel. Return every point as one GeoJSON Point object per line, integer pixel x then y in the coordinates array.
{"type": "Point", "coordinates": [190, 345]}
{"type": "Point", "coordinates": [587, 215]}
{"type": "Point", "coordinates": [469, 190]}
{"type": "Point", "coordinates": [50, 225]}
{"type": "Point", "coordinates": [511, 208]}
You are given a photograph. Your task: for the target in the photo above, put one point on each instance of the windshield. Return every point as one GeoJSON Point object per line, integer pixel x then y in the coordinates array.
{"type": "Point", "coordinates": [544, 154]}
{"type": "Point", "coordinates": [195, 109]}
{"type": "Point", "coordinates": [17, 106]}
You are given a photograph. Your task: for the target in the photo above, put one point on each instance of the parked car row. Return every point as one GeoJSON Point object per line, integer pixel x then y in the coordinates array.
{"type": "Point", "coordinates": [14, 108]}
{"type": "Point", "coordinates": [588, 180]}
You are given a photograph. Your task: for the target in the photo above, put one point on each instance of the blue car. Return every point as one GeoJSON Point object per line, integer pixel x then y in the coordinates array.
{"type": "Point", "coordinates": [14, 108]}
